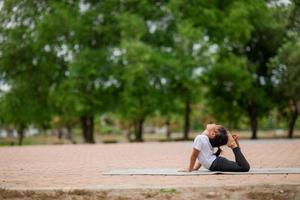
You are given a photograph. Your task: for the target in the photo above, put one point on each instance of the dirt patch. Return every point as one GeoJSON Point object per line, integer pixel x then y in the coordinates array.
{"type": "Point", "coordinates": [260, 192]}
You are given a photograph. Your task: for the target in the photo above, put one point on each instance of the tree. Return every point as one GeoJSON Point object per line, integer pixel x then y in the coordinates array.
{"type": "Point", "coordinates": [286, 72]}
{"type": "Point", "coordinates": [143, 61]}
{"type": "Point", "coordinates": [228, 82]}
{"type": "Point", "coordinates": [21, 67]}
{"type": "Point", "coordinates": [139, 79]}
{"type": "Point", "coordinates": [241, 29]}
{"type": "Point", "coordinates": [77, 32]}
{"type": "Point", "coordinates": [191, 57]}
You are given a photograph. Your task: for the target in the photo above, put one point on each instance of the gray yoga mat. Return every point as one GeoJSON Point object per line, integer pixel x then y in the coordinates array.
{"type": "Point", "coordinates": [174, 172]}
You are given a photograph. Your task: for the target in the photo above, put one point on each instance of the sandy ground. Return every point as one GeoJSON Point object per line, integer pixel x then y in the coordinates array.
{"type": "Point", "coordinates": [76, 172]}
{"type": "Point", "coordinates": [260, 192]}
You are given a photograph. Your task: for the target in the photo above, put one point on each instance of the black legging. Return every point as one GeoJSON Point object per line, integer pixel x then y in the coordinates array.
{"type": "Point", "coordinates": [223, 164]}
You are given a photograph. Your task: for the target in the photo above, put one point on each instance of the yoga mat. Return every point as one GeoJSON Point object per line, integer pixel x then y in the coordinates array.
{"type": "Point", "coordinates": [174, 172]}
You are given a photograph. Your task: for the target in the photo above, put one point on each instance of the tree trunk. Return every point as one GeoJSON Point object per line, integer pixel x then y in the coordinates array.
{"type": "Point", "coordinates": [187, 120]}
{"type": "Point", "coordinates": [21, 134]}
{"type": "Point", "coordinates": [139, 130]}
{"type": "Point", "coordinates": [83, 126]}
{"type": "Point", "coordinates": [88, 129]}
{"type": "Point", "coordinates": [60, 133]}
{"type": "Point", "coordinates": [168, 131]}
{"type": "Point", "coordinates": [128, 134]}
{"type": "Point", "coordinates": [44, 129]}
{"type": "Point", "coordinates": [253, 121]}
{"type": "Point", "coordinates": [69, 133]}
{"type": "Point", "coordinates": [293, 119]}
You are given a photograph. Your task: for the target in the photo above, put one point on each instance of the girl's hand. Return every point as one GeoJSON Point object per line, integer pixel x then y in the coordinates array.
{"type": "Point", "coordinates": [231, 141]}
{"type": "Point", "coordinates": [184, 170]}
{"type": "Point", "coordinates": [235, 137]}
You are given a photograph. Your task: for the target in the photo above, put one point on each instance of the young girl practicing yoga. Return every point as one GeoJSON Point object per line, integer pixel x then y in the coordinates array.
{"type": "Point", "coordinates": [216, 136]}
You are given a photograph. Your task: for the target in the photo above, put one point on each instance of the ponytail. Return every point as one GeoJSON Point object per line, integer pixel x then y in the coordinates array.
{"type": "Point", "coordinates": [218, 152]}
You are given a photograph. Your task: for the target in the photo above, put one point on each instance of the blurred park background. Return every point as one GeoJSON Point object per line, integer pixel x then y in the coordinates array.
{"type": "Point", "coordinates": [87, 71]}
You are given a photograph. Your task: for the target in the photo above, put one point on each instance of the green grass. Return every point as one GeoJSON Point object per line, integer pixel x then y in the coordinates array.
{"type": "Point", "coordinates": [168, 190]}
{"type": "Point", "coordinates": [43, 139]}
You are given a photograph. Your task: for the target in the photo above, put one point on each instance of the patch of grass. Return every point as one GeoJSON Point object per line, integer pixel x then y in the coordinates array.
{"type": "Point", "coordinates": [168, 190]}
{"type": "Point", "coordinates": [42, 139]}
{"type": "Point", "coordinates": [8, 141]}
{"type": "Point", "coordinates": [34, 140]}
{"type": "Point", "coordinates": [80, 192]}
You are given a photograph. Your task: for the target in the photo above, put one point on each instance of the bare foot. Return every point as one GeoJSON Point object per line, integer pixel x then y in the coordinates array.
{"type": "Point", "coordinates": [231, 142]}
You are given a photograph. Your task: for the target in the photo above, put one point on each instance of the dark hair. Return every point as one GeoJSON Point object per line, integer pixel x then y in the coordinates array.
{"type": "Point", "coordinates": [219, 140]}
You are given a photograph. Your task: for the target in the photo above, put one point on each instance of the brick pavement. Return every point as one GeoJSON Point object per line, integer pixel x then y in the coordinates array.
{"type": "Point", "coordinates": [81, 166]}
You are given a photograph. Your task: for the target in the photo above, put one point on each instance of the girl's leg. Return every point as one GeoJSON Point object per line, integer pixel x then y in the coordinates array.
{"type": "Point", "coordinates": [223, 164]}
{"type": "Point", "coordinates": [240, 159]}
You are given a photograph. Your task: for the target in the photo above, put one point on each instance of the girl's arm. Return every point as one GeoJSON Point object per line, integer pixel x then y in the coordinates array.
{"type": "Point", "coordinates": [197, 166]}
{"type": "Point", "coordinates": [193, 159]}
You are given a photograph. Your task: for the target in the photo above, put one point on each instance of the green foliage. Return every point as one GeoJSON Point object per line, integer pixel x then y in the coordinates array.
{"type": "Point", "coordinates": [228, 84]}
{"type": "Point", "coordinates": [79, 59]}
{"type": "Point", "coordinates": [286, 70]}
{"type": "Point", "coordinates": [139, 80]}
{"type": "Point", "coordinates": [254, 41]}
{"type": "Point", "coordinates": [22, 66]}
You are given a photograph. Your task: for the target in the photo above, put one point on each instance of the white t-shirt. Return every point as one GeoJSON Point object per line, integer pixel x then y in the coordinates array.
{"type": "Point", "coordinates": [206, 152]}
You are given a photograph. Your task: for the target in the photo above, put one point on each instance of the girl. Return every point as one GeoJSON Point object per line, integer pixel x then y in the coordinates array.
{"type": "Point", "coordinates": [216, 136]}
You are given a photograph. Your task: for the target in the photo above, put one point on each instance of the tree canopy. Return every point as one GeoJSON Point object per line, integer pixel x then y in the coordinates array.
{"type": "Point", "coordinates": [79, 59]}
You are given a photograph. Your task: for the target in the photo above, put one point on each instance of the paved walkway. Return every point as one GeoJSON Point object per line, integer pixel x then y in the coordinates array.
{"type": "Point", "coordinates": [81, 166]}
